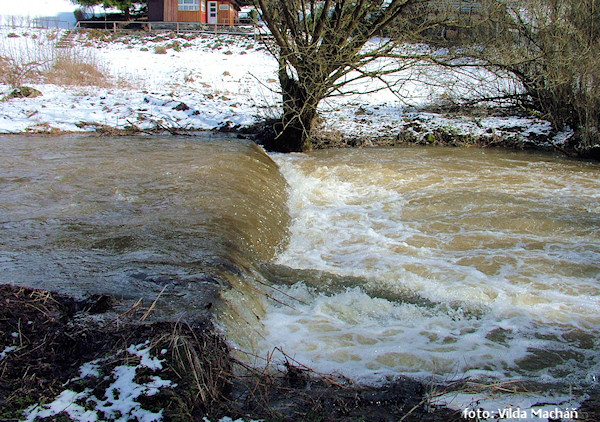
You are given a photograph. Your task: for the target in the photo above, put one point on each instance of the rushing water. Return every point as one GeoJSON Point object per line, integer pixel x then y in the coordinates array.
{"type": "Point", "coordinates": [134, 216]}
{"type": "Point", "coordinates": [455, 262]}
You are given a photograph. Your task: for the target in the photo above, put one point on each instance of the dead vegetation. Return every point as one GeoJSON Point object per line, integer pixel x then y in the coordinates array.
{"type": "Point", "coordinates": [49, 337]}
{"type": "Point", "coordinates": [72, 67]}
{"type": "Point", "coordinates": [46, 348]}
{"type": "Point", "coordinates": [33, 59]}
{"type": "Point", "coordinates": [294, 392]}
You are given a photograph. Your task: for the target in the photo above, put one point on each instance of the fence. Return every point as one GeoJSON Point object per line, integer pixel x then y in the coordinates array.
{"type": "Point", "coordinates": [29, 22]}
{"type": "Point", "coordinates": [177, 27]}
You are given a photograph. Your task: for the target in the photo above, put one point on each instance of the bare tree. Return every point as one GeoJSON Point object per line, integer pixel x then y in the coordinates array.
{"type": "Point", "coordinates": [552, 49]}
{"type": "Point", "coordinates": [322, 46]}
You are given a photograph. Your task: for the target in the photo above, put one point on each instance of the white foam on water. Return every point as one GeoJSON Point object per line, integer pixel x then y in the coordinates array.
{"type": "Point", "coordinates": [502, 248]}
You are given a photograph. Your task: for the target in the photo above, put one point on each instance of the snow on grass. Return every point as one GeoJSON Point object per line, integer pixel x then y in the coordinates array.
{"type": "Point", "coordinates": [217, 86]}
{"type": "Point", "coordinates": [88, 369]}
{"type": "Point", "coordinates": [143, 352]}
{"type": "Point", "coordinates": [6, 351]}
{"type": "Point", "coordinates": [118, 402]}
{"type": "Point", "coordinates": [207, 82]}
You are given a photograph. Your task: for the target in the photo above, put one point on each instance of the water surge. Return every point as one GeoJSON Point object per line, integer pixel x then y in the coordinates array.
{"type": "Point", "coordinates": [188, 219]}
{"type": "Point", "coordinates": [451, 262]}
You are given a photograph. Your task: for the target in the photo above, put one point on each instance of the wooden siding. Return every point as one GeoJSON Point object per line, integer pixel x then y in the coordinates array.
{"type": "Point", "coordinates": [170, 12]}
{"type": "Point", "coordinates": [189, 16]}
{"type": "Point", "coordinates": [229, 16]}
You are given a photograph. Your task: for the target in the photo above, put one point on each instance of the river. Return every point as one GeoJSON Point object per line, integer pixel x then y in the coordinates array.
{"type": "Point", "coordinates": [368, 262]}
{"type": "Point", "coordinates": [133, 216]}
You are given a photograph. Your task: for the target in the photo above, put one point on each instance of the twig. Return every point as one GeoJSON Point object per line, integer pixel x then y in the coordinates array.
{"type": "Point", "coordinates": [415, 407]}
{"type": "Point", "coordinates": [143, 318]}
{"type": "Point", "coordinates": [133, 308]}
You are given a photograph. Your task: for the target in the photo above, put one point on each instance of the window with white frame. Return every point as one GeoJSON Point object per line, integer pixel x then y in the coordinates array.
{"type": "Point", "coordinates": [203, 5]}
{"type": "Point", "coordinates": [224, 7]}
{"type": "Point", "coordinates": [189, 5]}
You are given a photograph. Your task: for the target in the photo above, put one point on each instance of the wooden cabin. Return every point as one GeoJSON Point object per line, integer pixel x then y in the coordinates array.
{"type": "Point", "coordinates": [212, 12]}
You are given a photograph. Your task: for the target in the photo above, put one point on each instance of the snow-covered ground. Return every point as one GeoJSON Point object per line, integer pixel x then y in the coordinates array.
{"type": "Point", "coordinates": [205, 82]}
{"type": "Point", "coordinates": [211, 76]}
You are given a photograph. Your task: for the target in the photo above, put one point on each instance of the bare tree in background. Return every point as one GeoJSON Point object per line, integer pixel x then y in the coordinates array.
{"type": "Point", "coordinates": [552, 49]}
{"type": "Point", "coordinates": [322, 46]}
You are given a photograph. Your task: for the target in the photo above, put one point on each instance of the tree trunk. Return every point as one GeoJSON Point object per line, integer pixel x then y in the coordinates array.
{"type": "Point", "coordinates": [300, 103]}
{"type": "Point", "coordinates": [296, 125]}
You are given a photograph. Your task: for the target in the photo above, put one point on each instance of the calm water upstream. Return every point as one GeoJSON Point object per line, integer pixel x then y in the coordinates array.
{"type": "Point", "coordinates": [456, 262]}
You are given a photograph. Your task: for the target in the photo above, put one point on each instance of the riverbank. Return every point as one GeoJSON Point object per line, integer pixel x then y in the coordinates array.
{"type": "Point", "coordinates": [81, 359]}
{"type": "Point", "coordinates": [182, 83]}
{"type": "Point", "coordinates": [85, 359]}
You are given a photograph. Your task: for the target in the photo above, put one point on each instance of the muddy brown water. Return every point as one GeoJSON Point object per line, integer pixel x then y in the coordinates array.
{"type": "Point", "coordinates": [129, 216]}
{"type": "Point", "coordinates": [455, 262]}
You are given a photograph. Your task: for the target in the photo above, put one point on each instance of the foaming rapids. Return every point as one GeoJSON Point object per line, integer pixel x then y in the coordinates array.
{"type": "Point", "coordinates": [371, 262]}
{"type": "Point", "coordinates": [452, 262]}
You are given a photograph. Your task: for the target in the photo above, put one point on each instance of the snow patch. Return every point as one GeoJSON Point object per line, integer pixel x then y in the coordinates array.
{"type": "Point", "coordinates": [119, 400]}
{"type": "Point", "coordinates": [6, 351]}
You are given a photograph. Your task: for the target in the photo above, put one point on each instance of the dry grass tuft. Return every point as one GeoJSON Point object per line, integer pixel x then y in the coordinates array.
{"type": "Point", "coordinates": [202, 363]}
{"type": "Point", "coordinates": [76, 68]}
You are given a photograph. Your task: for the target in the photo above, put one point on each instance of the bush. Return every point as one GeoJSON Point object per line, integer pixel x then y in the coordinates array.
{"type": "Point", "coordinates": [159, 49]}
{"type": "Point", "coordinates": [552, 47]}
{"type": "Point", "coordinates": [72, 67]}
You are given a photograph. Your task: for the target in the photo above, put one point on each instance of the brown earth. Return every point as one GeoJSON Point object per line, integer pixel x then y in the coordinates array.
{"type": "Point", "coordinates": [53, 335]}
